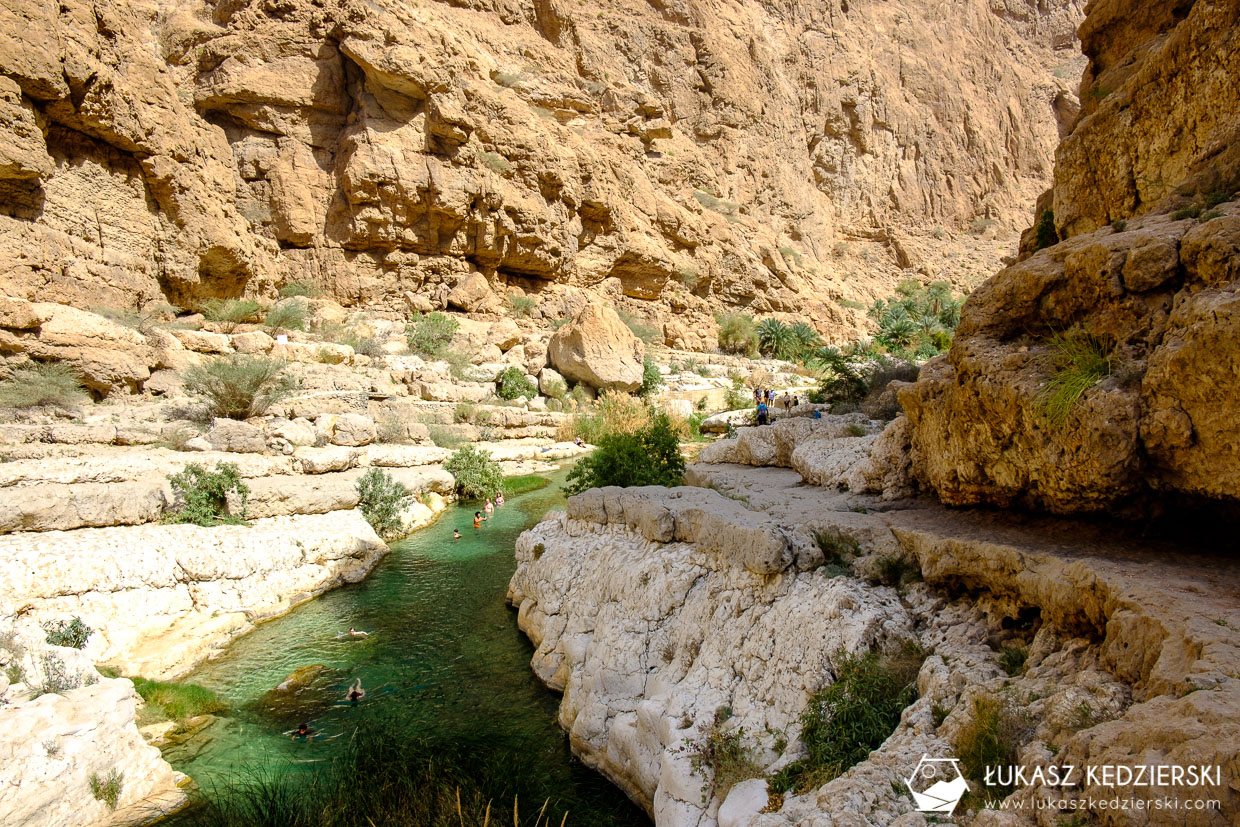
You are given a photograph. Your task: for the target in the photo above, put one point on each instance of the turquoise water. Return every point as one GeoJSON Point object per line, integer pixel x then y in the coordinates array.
{"type": "Point", "coordinates": [444, 656]}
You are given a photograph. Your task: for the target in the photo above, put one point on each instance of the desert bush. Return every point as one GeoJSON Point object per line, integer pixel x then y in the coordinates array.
{"type": "Point", "coordinates": [230, 313]}
{"type": "Point", "coordinates": [557, 389]}
{"type": "Point", "coordinates": [649, 456]}
{"type": "Point", "coordinates": [521, 305]}
{"type": "Point", "coordinates": [1012, 658]}
{"type": "Point", "coordinates": [737, 397]}
{"type": "Point", "coordinates": [689, 278]}
{"type": "Point", "coordinates": [57, 679]}
{"type": "Point", "coordinates": [392, 429]}
{"type": "Point", "coordinates": [651, 380]}
{"type": "Point", "coordinates": [1081, 361]}
{"type": "Point", "coordinates": [179, 701]}
{"type": "Point", "coordinates": [638, 328]}
{"type": "Point", "coordinates": [445, 437]}
{"type": "Point", "coordinates": [290, 315]}
{"type": "Point", "coordinates": [107, 788]}
{"type": "Point", "coordinates": [1044, 233]}
{"type": "Point", "coordinates": [464, 412]}
{"type": "Point", "coordinates": [299, 289]}
{"type": "Point", "coordinates": [992, 737]}
{"type": "Point", "coordinates": [476, 474]}
{"type": "Point", "coordinates": [513, 383]}
{"type": "Point", "coordinates": [381, 500]}
{"type": "Point", "coordinates": [202, 495]}
{"type": "Point", "coordinates": [72, 633]}
{"type": "Point", "coordinates": [737, 334]}
{"type": "Point", "coordinates": [716, 204]}
{"type": "Point", "coordinates": [42, 383]}
{"type": "Point", "coordinates": [239, 386]}
{"type": "Point", "coordinates": [893, 570]}
{"type": "Point", "coordinates": [429, 335]}
{"type": "Point", "coordinates": [845, 721]}
{"type": "Point", "coordinates": [722, 756]}
{"type": "Point", "coordinates": [614, 412]}
{"type": "Point", "coordinates": [838, 551]}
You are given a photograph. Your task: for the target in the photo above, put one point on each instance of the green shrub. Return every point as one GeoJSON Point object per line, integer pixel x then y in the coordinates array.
{"type": "Point", "coordinates": [521, 305]}
{"type": "Point", "coordinates": [230, 313]}
{"type": "Point", "coordinates": [42, 383]}
{"type": "Point", "coordinates": [689, 278]}
{"type": "Point", "coordinates": [203, 495]}
{"type": "Point", "coordinates": [496, 163]}
{"type": "Point", "coordinates": [381, 500]}
{"type": "Point", "coordinates": [614, 412]}
{"type": "Point", "coordinates": [650, 456]}
{"type": "Point", "coordinates": [847, 720]}
{"type": "Point", "coordinates": [299, 288]}
{"type": "Point", "coordinates": [524, 484]}
{"type": "Point", "coordinates": [513, 383]}
{"type": "Point", "coordinates": [557, 389]}
{"type": "Point", "coordinates": [179, 701]}
{"type": "Point", "coordinates": [1119, 225]}
{"type": "Point", "coordinates": [390, 428]}
{"type": "Point", "coordinates": [651, 380]}
{"type": "Point", "coordinates": [838, 550]}
{"type": "Point", "coordinates": [57, 679]}
{"type": "Point", "coordinates": [239, 386]}
{"type": "Point", "coordinates": [1192, 211]}
{"type": "Point", "coordinates": [722, 756]}
{"type": "Point", "coordinates": [992, 738]}
{"type": "Point", "coordinates": [917, 319]}
{"type": "Point", "coordinates": [464, 412]}
{"type": "Point", "coordinates": [1012, 658]}
{"type": "Point", "coordinates": [72, 633]}
{"type": "Point", "coordinates": [1045, 234]}
{"type": "Point", "coordinates": [429, 335]}
{"type": "Point", "coordinates": [107, 788]}
{"type": "Point", "coordinates": [737, 334]}
{"type": "Point", "coordinates": [476, 474]}
{"type": "Point", "coordinates": [638, 328]}
{"type": "Point", "coordinates": [893, 570]}
{"type": "Point", "coordinates": [737, 397]}
{"type": "Point", "coordinates": [289, 315]}
{"type": "Point", "coordinates": [445, 437]}
{"type": "Point", "coordinates": [1081, 361]}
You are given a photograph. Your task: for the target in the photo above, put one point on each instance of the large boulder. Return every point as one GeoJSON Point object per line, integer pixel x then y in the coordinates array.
{"type": "Point", "coordinates": [470, 293]}
{"type": "Point", "coordinates": [598, 349]}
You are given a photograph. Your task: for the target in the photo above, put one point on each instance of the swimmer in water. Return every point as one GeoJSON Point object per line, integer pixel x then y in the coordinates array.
{"type": "Point", "coordinates": [479, 519]}
{"type": "Point", "coordinates": [456, 534]}
{"type": "Point", "coordinates": [499, 499]}
{"type": "Point", "coordinates": [488, 508]}
{"type": "Point", "coordinates": [356, 693]}
{"type": "Point", "coordinates": [304, 732]}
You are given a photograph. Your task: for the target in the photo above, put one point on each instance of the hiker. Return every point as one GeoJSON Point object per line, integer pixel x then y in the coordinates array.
{"type": "Point", "coordinates": [763, 412]}
{"type": "Point", "coordinates": [579, 442]}
{"type": "Point", "coordinates": [757, 396]}
{"type": "Point", "coordinates": [356, 693]}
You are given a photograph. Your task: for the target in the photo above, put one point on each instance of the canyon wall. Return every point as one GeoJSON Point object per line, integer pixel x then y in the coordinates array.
{"type": "Point", "coordinates": [782, 157]}
{"type": "Point", "coordinates": [1132, 319]}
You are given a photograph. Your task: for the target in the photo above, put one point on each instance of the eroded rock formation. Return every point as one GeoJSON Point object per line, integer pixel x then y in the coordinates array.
{"type": "Point", "coordinates": [410, 155]}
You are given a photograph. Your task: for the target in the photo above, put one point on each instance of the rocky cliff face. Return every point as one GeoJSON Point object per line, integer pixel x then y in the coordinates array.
{"type": "Point", "coordinates": [1150, 299]}
{"type": "Point", "coordinates": [781, 157]}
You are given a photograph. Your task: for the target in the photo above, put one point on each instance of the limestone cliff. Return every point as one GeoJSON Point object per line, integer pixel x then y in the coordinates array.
{"type": "Point", "coordinates": [1151, 299]}
{"type": "Point", "coordinates": [776, 156]}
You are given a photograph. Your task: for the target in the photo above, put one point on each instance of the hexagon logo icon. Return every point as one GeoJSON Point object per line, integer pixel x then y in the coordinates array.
{"type": "Point", "coordinates": [937, 784]}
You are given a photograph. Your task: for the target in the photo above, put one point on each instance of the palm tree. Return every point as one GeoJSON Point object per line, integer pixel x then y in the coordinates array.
{"type": "Point", "coordinates": [806, 338]}
{"type": "Point", "coordinates": [774, 337]}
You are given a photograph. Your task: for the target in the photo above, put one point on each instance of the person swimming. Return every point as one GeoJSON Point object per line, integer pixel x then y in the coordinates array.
{"type": "Point", "coordinates": [488, 508]}
{"type": "Point", "coordinates": [456, 534]}
{"type": "Point", "coordinates": [304, 732]}
{"type": "Point", "coordinates": [479, 519]}
{"type": "Point", "coordinates": [499, 499]}
{"type": "Point", "coordinates": [356, 693]}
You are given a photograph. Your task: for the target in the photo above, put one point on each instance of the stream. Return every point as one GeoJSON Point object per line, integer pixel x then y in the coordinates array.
{"type": "Point", "coordinates": [444, 656]}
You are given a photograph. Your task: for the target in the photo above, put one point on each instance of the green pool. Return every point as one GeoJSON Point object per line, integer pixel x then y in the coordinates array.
{"type": "Point", "coordinates": [444, 657]}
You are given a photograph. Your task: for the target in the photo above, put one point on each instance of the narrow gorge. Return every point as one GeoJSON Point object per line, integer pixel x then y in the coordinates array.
{"type": "Point", "coordinates": [699, 412]}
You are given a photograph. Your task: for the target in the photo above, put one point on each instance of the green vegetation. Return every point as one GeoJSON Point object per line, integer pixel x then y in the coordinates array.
{"type": "Point", "coordinates": [838, 551]}
{"type": "Point", "coordinates": [784, 341]}
{"type": "Point", "coordinates": [445, 437]}
{"type": "Point", "coordinates": [893, 570]}
{"type": "Point", "coordinates": [845, 721]}
{"type": "Point", "coordinates": [737, 334]}
{"type": "Point", "coordinates": [737, 397]}
{"type": "Point", "coordinates": [42, 383]}
{"type": "Point", "coordinates": [1012, 658]}
{"type": "Point", "coordinates": [179, 701]}
{"type": "Point", "coordinates": [521, 305]}
{"type": "Point", "coordinates": [239, 386]}
{"type": "Point", "coordinates": [649, 456]}
{"type": "Point", "coordinates": [991, 738]}
{"type": "Point", "coordinates": [1081, 361]}
{"type": "Point", "coordinates": [392, 429]}
{"type": "Point", "coordinates": [72, 633]}
{"type": "Point", "coordinates": [1191, 211]}
{"type": "Point", "coordinates": [429, 335]}
{"type": "Point", "coordinates": [918, 320]}
{"type": "Point", "coordinates": [203, 495]}
{"type": "Point", "coordinates": [299, 288]}
{"type": "Point", "coordinates": [289, 315]}
{"type": "Point", "coordinates": [107, 788]}
{"type": "Point", "coordinates": [638, 328]}
{"type": "Point", "coordinates": [1044, 233]}
{"type": "Point", "coordinates": [722, 756]}
{"type": "Point", "coordinates": [689, 278]}
{"type": "Point", "coordinates": [494, 162]}
{"type": "Point", "coordinates": [716, 204]}
{"type": "Point", "coordinates": [229, 313]}
{"type": "Point", "coordinates": [612, 413]}
{"type": "Point", "coordinates": [477, 475]}
{"type": "Point", "coordinates": [651, 380]}
{"type": "Point", "coordinates": [524, 484]}
{"type": "Point", "coordinates": [513, 383]}
{"type": "Point", "coordinates": [1119, 225]}
{"type": "Point", "coordinates": [381, 500]}
{"type": "Point", "coordinates": [57, 678]}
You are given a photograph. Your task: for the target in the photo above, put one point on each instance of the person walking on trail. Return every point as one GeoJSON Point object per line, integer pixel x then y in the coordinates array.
{"type": "Point", "coordinates": [763, 413]}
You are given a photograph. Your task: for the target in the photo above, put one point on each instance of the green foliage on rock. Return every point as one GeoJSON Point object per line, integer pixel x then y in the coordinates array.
{"type": "Point", "coordinates": [477, 475]}
{"type": "Point", "coordinates": [381, 500]}
{"type": "Point", "coordinates": [429, 335]}
{"type": "Point", "coordinates": [42, 383]}
{"type": "Point", "coordinates": [1045, 234]}
{"type": "Point", "coordinates": [107, 788]}
{"type": "Point", "coordinates": [513, 383]}
{"type": "Point", "coordinates": [239, 386]}
{"type": "Point", "coordinates": [72, 633]}
{"type": "Point", "coordinates": [649, 456]}
{"type": "Point", "coordinates": [289, 315]}
{"type": "Point", "coordinates": [1081, 361]}
{"type": "Point", "coordinates": [203, 495]}
{"type": "Point", "coordinates": [918, 319]}
{"type": "Point", "coordinates": [722, 756]}
{"type": "Point", "coordinates": [179, 701]}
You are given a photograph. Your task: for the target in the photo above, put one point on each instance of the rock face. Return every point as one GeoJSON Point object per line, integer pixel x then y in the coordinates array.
{"type": "Point", "coordinates": [1151, 299]}
{"type": "Point", "coordinates": [597, 348]}
{"type": "Point", "coordinates": [409, 154]}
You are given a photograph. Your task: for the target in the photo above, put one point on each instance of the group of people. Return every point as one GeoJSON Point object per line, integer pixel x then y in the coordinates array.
{"type": "Point", "coordinates": [765, 399]}
{"type": "Point", "coordinates": [479, 518]}
{"type": "Point", "coordinates": [353, 697]}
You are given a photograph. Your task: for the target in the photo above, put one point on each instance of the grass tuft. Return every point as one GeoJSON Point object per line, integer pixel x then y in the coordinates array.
{"type": "Point", "coordinates": [1081, 361]}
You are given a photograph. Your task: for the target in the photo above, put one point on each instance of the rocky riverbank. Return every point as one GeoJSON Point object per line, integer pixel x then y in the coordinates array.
{"type": "Point", "coordinates": [653, 609]}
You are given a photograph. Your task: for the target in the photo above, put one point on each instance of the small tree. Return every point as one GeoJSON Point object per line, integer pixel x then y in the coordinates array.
{"type": "Point", "coordinates": [737, 334]}
{"type": "Point", "coordinates": [514, 383]}
{"type": "Point", "coordinates": [239, 386]}
{"type": "Point", "coordinates": [381, 500]}
{"type": "Point", "coordinates": [477, 475]}
{"type": "Point", "coordinates": [651, 380]}
{"type": "Point", "coordinates": [650, 456]}
{"type": "Point", "coordinates": [203, 495]}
